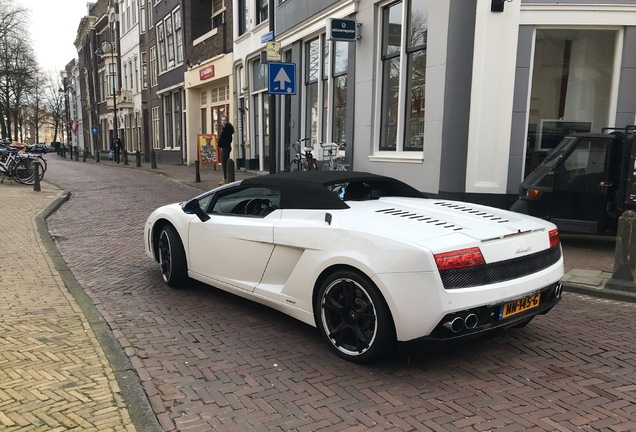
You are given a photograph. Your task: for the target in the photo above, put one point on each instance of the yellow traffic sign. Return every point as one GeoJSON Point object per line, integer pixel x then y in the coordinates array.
{"type": "Point", "coordinates": [273, 51]}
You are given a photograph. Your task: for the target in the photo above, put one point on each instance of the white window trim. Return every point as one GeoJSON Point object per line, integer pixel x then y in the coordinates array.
{"type": "Point", "coordinates": [399, 154]}
{"type": "Point", "coordinates": [220, 11]}
{"type": "Point", "coordinates": [576, 13]}
{"type": "Point", "coordinates": [206, 36]}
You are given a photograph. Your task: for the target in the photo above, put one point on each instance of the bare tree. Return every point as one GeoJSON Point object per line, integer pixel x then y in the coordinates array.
{"type": "Point", "coordinates": [16, 57]}
{"type": "Point", "coordinates": [35, 116]}
{"type": "Point", "coordinates": [53, 101]}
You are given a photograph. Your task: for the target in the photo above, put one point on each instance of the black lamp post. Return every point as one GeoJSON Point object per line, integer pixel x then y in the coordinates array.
{"type": "Point", "coordinates": [112, 66]}
{"type": "Point", "coordinates": [64, 90]}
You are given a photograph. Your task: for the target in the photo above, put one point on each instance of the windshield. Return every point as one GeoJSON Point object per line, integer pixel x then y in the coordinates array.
{"type": "Point", "coordinates": [559, 151]}
{"type": "Point", "coordinates": [551, 161]}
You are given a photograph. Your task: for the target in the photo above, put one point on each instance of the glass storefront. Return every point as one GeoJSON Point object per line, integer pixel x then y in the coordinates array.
{"type": "Point", "coordinates": [571, 87]}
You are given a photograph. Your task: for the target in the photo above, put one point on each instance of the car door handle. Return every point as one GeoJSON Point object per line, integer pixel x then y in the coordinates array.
{"type": "Point", "coordinates": [605, 184]}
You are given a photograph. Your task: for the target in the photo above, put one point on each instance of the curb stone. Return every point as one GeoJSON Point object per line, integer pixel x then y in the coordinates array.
{"type": "Point", "coordinates": [141, 413]}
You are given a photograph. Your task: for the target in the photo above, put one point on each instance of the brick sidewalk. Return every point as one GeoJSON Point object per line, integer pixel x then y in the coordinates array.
{"type": "Point", "coordinates": [54, 374]}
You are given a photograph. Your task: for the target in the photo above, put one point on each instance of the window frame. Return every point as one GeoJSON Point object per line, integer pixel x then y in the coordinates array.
{"type": "Point", "coordinates": [262, 11]}
{"type": "Point", "coordinates": [153, 66]}
{"type": "Point", "coordinates": [401, 55]}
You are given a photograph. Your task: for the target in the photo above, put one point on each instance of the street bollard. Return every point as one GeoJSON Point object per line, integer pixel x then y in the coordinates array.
{"type": "Point", "coordinates": [197, 172]}
{"type": "Point", "coordinates": [153, 159]}
{"type": "Point", "coordinates": [36, 184]}
{"type": "Point", "coordinates": [138, 158]}
{"type": "Point", "coordinates": [84, 155]}
{"type": "Point", "coordinates": [624, 254]}
{"type": "Point", "coordinates": [230, 171]}
{"type": "Point", "coordinates": [125, 157]}
{"type": "Point", "coordinates": [76, 154]}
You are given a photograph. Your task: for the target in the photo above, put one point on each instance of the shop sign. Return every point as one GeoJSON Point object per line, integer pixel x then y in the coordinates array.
{"type": "Point", "coordinates": [206, 72]}
{"type": "Point", "coordinates": [342, 29]}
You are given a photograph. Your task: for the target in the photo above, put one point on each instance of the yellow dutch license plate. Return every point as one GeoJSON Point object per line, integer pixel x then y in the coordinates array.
{"type": "Point", "coordinates": [518, 306]}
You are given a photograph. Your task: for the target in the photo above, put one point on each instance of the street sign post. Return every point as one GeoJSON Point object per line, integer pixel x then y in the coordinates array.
{"type": "Point", "coordinates": [282, 78]}
{"type": "Point", "coordinates": [94, 130]}
{"type": "Point", "coordinates": [267, 36]}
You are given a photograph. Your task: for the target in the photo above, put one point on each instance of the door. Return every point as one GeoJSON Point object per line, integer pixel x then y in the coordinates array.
{"type": "Point", "coordinates": [582, 187]}
{"type": "Point", "coordinates": [235, 244]}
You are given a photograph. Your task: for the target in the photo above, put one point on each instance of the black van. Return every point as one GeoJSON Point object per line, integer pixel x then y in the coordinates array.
{"type": "Point", "coordinates": [585, 184]}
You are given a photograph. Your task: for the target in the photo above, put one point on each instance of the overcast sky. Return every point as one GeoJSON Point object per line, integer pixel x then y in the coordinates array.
{"type": "Point", "coordinates": [53, 27]}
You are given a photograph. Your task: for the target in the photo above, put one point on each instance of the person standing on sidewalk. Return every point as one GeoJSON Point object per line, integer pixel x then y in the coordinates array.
{"type": "Point", "coordinates": [225, 144]}
{"type": "Point", "coordinates": [119, 146]}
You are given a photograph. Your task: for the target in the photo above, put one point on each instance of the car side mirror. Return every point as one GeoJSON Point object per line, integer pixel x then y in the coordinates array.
{"type": "Point", "coordinates": [193, 207]}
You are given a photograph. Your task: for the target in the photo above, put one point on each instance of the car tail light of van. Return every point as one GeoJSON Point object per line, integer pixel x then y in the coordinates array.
{"type": "Point", "coordinates": [459, 259]}
{"type": "Point", "coordinates": [554, 238]}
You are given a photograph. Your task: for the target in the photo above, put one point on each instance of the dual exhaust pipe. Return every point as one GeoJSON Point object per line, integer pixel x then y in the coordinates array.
{"type": "Point", "coordinates": [458, 324]}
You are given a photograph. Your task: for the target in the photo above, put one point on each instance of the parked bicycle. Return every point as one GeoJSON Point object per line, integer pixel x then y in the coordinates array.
{"type": "Point", "coordinates": [332, 158]}
{"type": "Point", "coordinates": [304, 159]}
{"type": "Point", "coordinates": [19, 165]}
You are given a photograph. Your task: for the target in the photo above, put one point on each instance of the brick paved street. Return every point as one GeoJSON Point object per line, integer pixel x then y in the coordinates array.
{"type": "Point", "coordinates": [212, 361]}
{"type": "Point", "coordinates": [54, 375]}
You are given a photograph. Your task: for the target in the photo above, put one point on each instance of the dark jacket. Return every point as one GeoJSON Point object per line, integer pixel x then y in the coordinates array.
{"type": "Point", "coordinates": [225, 140]}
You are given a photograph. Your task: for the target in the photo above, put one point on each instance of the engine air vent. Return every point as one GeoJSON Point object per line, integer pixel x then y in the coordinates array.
{"type": "Point", "coordinates": [419, 218]}
{"type": "Point", "coordinates": [472, 211]}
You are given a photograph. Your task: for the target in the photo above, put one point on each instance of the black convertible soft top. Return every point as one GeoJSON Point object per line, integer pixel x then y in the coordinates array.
{"type": "Point", "coordinates": [311, 190]}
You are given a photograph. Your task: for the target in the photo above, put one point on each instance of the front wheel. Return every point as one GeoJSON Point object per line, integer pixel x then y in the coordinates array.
{"type": "Point", "coordinates": [353, 317]}
{"type": "Point", "coordinates": [172, 259]}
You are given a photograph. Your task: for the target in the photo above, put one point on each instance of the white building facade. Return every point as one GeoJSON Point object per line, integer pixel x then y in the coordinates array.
{"type": "Point", "coordinates": [130, 114]}
{"type": "Point", "coordinates": [459, 99]}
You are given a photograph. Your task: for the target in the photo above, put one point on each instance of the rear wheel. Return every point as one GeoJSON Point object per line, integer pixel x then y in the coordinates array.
{"type": "Point", "coordinates": [172, 260]}
{"type": "Point", "coordinates": [353, 317]}
{"type": "Point", "coordinates": [31, 164]}
{"type": "Point", "coordinates": [23, 173]}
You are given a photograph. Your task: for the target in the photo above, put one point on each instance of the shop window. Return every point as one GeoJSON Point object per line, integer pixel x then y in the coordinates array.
{"type": "Point", "coordinates": [571, 87]}
{"type": "Point", "coordinates": [340, 65]}
{"type": "Point", "coordinates": [311, 86]}
{"type": "Point", "coordinates": [155, 128]}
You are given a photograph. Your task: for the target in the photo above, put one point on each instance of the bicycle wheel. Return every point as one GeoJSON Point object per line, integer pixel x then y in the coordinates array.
{"type": "Point", "coordinates": [31, 163]}
{"type": "Point", "coordinates": [43, 165]}
{"type": "Point", "coordinates": [22, 173]}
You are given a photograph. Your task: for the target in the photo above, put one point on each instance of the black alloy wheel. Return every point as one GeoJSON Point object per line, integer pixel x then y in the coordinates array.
{"type": "Point", "coordinates": [352, 315]}
{"type": "Point", "coordinates": [172, 262]}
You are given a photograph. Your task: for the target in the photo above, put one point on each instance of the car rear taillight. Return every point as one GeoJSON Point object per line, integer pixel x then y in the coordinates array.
{"type": "Point", "coordinates": [459, 259]}
{"type": "Point", "coordinates": [554, 238]}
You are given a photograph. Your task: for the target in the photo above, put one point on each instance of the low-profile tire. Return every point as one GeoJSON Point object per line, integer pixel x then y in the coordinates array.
{"type": "Point", "coordinates": [172, 259]}
{"type": "Point", "coordinates": [353, 317]}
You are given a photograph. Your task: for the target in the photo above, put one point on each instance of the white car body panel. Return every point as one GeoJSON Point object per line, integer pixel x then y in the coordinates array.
{"type": "Point", "coordinates": [276, 260]}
